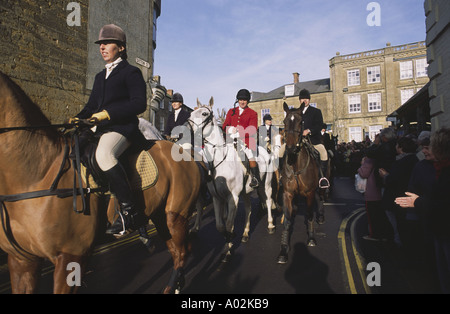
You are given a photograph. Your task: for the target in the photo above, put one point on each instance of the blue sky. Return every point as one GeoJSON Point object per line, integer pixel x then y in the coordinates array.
{"type": "Point", "coordinates": [216, 47]}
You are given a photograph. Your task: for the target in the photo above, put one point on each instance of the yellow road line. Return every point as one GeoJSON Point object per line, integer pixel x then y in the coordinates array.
{"type": "Point", "coordinates": [343, 245]}
{"type": "Point", "coordinates": [359, 259]}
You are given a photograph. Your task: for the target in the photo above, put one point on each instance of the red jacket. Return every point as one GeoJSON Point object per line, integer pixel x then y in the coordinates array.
{"type": "Point", "coordinates": [246, 123]}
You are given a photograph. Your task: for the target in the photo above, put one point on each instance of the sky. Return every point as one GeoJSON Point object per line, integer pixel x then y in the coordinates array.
{"type": "Point", "coordinates": [213, 48]}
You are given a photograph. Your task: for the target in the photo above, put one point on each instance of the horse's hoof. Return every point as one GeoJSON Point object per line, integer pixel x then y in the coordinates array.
{"type": "Point", "coordinates": [226, 258]}
{"type": "Point", "coordinates": [271, 230]}
{"type": "Point", "coordinates": [282, 259]}
{"type": "Point", "coordinates": [312, 242]}
{"type": "Point", "coordinates": [245, 239]}
{"type": "Point", "coordinates": [321, 220]}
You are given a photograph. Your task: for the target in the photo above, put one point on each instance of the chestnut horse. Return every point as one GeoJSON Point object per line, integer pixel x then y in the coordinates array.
{"type": "Point", "coordinates": [299, 176]}
{"type": "Point", "coordinates": [49, 227]}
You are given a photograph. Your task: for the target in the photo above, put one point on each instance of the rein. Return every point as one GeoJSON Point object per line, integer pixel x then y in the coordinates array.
{"type": "Point", "coordinates": [53, 190]}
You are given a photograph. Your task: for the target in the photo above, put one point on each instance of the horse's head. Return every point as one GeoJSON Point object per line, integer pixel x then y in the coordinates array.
{"type": "Point", "coordinates": [292, 129]}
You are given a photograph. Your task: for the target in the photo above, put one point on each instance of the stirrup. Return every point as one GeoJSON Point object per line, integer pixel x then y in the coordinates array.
{"type": "Point", "coordinates": [324, 183]}
{"type": "Point", "coordinates": [118, 224]}
{"type": "Point", "coordinates": [254, 183]}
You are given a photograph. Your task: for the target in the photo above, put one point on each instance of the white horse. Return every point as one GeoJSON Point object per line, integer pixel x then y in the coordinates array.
{"type": "Point", "coordinates": [230, 179]}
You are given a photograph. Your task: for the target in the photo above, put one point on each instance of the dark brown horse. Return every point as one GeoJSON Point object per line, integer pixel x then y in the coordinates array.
{"type": "Point", "coordinates": [299, 176]}
{"type": "Point", "coordinates": [48, 227]}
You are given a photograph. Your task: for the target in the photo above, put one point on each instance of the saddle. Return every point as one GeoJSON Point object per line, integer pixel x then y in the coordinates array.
{"type": "Point", "coordinates": [139, 165]}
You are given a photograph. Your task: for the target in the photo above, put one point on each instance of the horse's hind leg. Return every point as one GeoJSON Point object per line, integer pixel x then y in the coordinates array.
{"type": "Point", "coordinates": [178, 226]}
{"type": "Point", "coordinates": [24, 275]}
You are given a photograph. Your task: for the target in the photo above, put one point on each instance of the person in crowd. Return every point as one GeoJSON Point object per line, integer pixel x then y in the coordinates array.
{"type": "Point", "coordinates": [435, 205]}
{"type": "Point", "coordinates": [267, 133]}
{"type": "Point", "coordinates": [242, 122]}
{"type": "Point", "coordinates": [178, 117]}
{"type": "Point", "coordinates": [396, 183]}
{"type": "Point", "coordinates": [118, 97]}
{"type": "Point", "coordinates": [376, 216]}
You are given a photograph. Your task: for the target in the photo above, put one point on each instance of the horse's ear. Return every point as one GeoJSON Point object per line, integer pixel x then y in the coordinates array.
{"type": "Point", "coordinates": [211, 102]}
{"type": "Point", "coordinates": [286, 107]}
{"type": "Point", "coordinates": [199, 104]}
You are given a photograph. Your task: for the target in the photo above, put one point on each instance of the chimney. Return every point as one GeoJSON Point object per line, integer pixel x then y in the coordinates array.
{"type": "Point", "coordinates": [170, 93]}
{"type": "Point", "coordinates": [296, 77]}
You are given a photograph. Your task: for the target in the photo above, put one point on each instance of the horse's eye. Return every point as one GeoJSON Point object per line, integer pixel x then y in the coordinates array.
{"type": "Point", "coordinates": [204, 114]}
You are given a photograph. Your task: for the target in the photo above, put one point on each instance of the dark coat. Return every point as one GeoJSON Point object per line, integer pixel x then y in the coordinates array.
{"type": "Point", "coordinates": [313, 120]}
{"type": "Point", "coordinates": [263, 132]}
{"type": "Point", "coordinates": [397, 181]}
{"type": "Point", "coordinates": [123, 95]}
{"type": "Point", "coordinates": [182, 118]}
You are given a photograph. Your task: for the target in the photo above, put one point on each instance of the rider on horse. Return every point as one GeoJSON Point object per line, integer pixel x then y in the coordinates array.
{"type": "Point", "coordinates": [242, 122]}
{"type": "Point", "coordinates": [312, 122]}
{"type": "Point", "coordinates": [118, 96]}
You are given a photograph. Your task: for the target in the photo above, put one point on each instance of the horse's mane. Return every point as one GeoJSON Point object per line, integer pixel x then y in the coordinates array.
{"type": "Point", "coordinates": [18, 110]}
{"type": "Point", "coordinates": [31, 112]}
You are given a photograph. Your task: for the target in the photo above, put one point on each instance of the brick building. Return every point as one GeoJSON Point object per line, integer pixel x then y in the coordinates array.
{"type": "Point", "coordinates": [363, 89]}
{"type": "Point", "coordinates": [48, 47]}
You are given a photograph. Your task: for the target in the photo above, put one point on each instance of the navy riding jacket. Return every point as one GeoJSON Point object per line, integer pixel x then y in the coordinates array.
{"type": "Point", "coordinates": [123, 95]}
{"type": "Point", "coordinates": [313, 120]}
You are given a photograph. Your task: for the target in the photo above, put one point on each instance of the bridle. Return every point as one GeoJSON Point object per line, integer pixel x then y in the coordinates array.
{"type": "Point", "coordinates": [53, 190]}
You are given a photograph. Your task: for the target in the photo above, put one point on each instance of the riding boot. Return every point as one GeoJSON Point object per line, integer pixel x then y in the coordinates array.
{"type": "Point", "coordinates": [323, 182]}
{"type": "Point", "coordinates": [130, 217]}
{"type": "Point", "coordinates": [255, 175]}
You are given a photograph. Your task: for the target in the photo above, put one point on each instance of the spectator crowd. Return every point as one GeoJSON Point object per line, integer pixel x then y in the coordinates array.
{"type": "Point", "coordinates": [407, 192]}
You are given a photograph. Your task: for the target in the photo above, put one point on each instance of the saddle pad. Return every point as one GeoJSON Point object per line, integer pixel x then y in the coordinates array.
{"type": "Point", "coordinates": [142, 176]}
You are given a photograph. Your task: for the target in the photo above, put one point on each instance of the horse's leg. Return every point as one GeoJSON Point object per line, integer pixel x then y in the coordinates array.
{"type": "Point", "coordinates": [232, 204]}
{"type": "Point", "coordinates": [287, 212]}
{"type": "Point", "coordinates": [248, 212]}
{"type": "Point", "coordinates": [199, 209]}
{"type": "Point", "coordinates": [320, 217]}
{"type": "Point", "coordinates": [24, 275]}
{"type": "Point", "coordinates": [268, 190]}
{"type": "Point", "coordinates": [67, 279]}
{"type": "Point", "coordinates": [178, 227]}
{"type": "Point", "coordinates": [309, 218]}
{"type": "Point", "coordinates": [219, 209]}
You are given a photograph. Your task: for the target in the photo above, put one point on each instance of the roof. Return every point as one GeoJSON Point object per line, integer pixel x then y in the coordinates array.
{"type": "Point", "coordinates": [314, 87]}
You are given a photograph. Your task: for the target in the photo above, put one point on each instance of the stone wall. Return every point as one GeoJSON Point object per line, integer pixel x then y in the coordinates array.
{"type": "Point", "coordinates": [44, 55]}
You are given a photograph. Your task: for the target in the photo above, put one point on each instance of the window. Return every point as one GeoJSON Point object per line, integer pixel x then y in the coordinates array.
{"type": "Point", "coordinates": [406, 94]}
{"type": "Point", "coordinates": [406, 70]}
{"type": "Point", "coordinates": [161, 104]}
{"type": "Point", "coordinates": [355, 134]}
{"type": "Point", "coordinates": [374, 102]}
{"type": "Point", "coordinates": [353, 77]}
{"type": "Point", "coordinates": [263, 113]}
{"type": "Point", "coordinates": [421, 67]}
{"type": "Point", "coordinates": [354, 103]}
{"type": "Point", "coordinates": [374, 130]}
{"type": "Point", "coordinates": [289, 90]}
{"type": "Point", "coordinates": [373, 75]}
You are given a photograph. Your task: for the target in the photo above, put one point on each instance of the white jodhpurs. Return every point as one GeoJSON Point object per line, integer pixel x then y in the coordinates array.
{"type": "Point", "coordinates": [110, 146]}
{"type": "Point", "coordinates": [322, 151]}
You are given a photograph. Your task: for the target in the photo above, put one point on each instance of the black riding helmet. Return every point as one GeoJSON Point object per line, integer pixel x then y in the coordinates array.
{"type": "Point", "coordinates": [243, 94]}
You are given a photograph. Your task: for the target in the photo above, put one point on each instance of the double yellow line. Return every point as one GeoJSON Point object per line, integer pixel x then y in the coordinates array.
{"type": "Point", "coordinates": [360, 262]}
